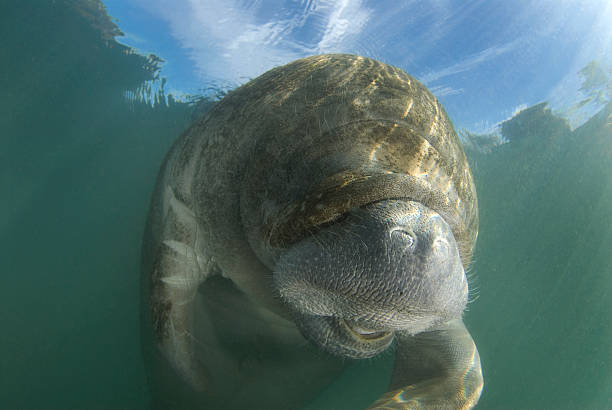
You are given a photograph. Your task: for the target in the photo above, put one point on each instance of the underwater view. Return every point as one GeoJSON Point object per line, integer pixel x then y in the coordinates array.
{"type": "Point", "coordinates": [282, 204]}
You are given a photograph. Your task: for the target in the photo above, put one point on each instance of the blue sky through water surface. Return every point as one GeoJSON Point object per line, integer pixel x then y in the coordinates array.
{"type": "Point", "coordinates": [482, 59]}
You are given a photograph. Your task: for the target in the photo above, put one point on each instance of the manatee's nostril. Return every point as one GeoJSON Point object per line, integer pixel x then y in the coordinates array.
{"type": "Point", "coordinates": [406, 236]}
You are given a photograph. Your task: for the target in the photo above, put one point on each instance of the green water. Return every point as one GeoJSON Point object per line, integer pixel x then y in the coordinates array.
{"type": "Point", "coordinates": [543, 319]}
{"type": "Point", "coordinates": [78, 163]}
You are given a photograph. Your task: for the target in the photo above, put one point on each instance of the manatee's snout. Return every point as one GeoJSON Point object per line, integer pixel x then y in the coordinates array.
{"type": "Point", "coordinates": [392, 265]}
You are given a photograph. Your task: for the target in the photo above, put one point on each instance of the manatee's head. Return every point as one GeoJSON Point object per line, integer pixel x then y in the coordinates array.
{"type": "Point", "coordinates": [390, 266]}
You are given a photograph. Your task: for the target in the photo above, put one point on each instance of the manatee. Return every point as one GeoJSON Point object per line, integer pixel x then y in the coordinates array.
{"type": "Point", "coordinates": [322, 212]}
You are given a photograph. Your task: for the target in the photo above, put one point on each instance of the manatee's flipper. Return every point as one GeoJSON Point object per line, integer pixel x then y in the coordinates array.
{"type": "Point", "coordinates": [208, 345]}
{"type": "Point", "coordinates": [435, 370]}
{"type": "Point", "coordinates": [179, 267]}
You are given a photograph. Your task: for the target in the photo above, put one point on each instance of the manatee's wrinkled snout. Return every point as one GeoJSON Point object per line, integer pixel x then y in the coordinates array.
{"type": "Point", "coordinates": [392, 265]}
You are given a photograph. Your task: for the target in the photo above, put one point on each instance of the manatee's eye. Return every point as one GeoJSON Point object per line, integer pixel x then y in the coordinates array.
{"type": "Point", "coordinates": [333, 221]}
{"type": "Point", "coordinates": [406, 236]}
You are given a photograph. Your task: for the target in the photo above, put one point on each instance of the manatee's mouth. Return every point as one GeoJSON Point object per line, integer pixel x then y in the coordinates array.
{"type": "Point", "coordinates": [343, 337]}
{"type": "Point", "coordinates": [363, 332]}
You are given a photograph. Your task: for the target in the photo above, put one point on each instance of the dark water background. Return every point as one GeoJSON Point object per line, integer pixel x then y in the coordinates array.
{"type": "Point", "coordinates": [82, 137]}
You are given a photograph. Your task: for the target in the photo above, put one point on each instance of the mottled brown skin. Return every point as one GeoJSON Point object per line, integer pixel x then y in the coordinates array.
{"type": "Point", "coordinates": [279, 163]}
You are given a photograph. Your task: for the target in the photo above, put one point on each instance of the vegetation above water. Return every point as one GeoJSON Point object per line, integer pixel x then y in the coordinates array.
{"type": "Point", "coordinates": [539, 122]}
{"type": "Point", "coordinates": [534, 122]}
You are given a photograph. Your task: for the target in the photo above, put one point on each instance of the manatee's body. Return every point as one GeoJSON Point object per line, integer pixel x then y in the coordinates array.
{"type": "Point", "coordinates": [316, 213]}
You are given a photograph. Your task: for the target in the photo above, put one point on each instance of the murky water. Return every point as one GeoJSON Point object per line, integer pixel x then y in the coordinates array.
{"type": "Point", "coordinates": [82, 140]}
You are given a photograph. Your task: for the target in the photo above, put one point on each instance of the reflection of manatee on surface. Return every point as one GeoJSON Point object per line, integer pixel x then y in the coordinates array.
{"type": "Point", "coordinates": [329, 201]}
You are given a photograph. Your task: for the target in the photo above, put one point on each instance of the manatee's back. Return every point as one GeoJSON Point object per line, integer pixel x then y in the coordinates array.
{"type": "Point", "coordinates": [330, 127]}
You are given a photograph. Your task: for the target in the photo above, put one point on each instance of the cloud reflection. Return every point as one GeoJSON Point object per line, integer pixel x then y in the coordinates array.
{"type": "Point", "coordinates": [472, 61]}
{"type": "Point", "coordinates": [231, 41]}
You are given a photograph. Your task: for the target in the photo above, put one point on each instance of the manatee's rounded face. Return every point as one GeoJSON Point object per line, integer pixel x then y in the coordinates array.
{"type": "Point", "coordinates": [389, 266]}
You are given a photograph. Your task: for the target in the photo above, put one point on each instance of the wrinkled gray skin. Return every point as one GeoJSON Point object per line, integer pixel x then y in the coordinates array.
{"type": "Point", "coordinates": [389, 266]}
{"type": "Point", "coordinates": [317, 214]}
